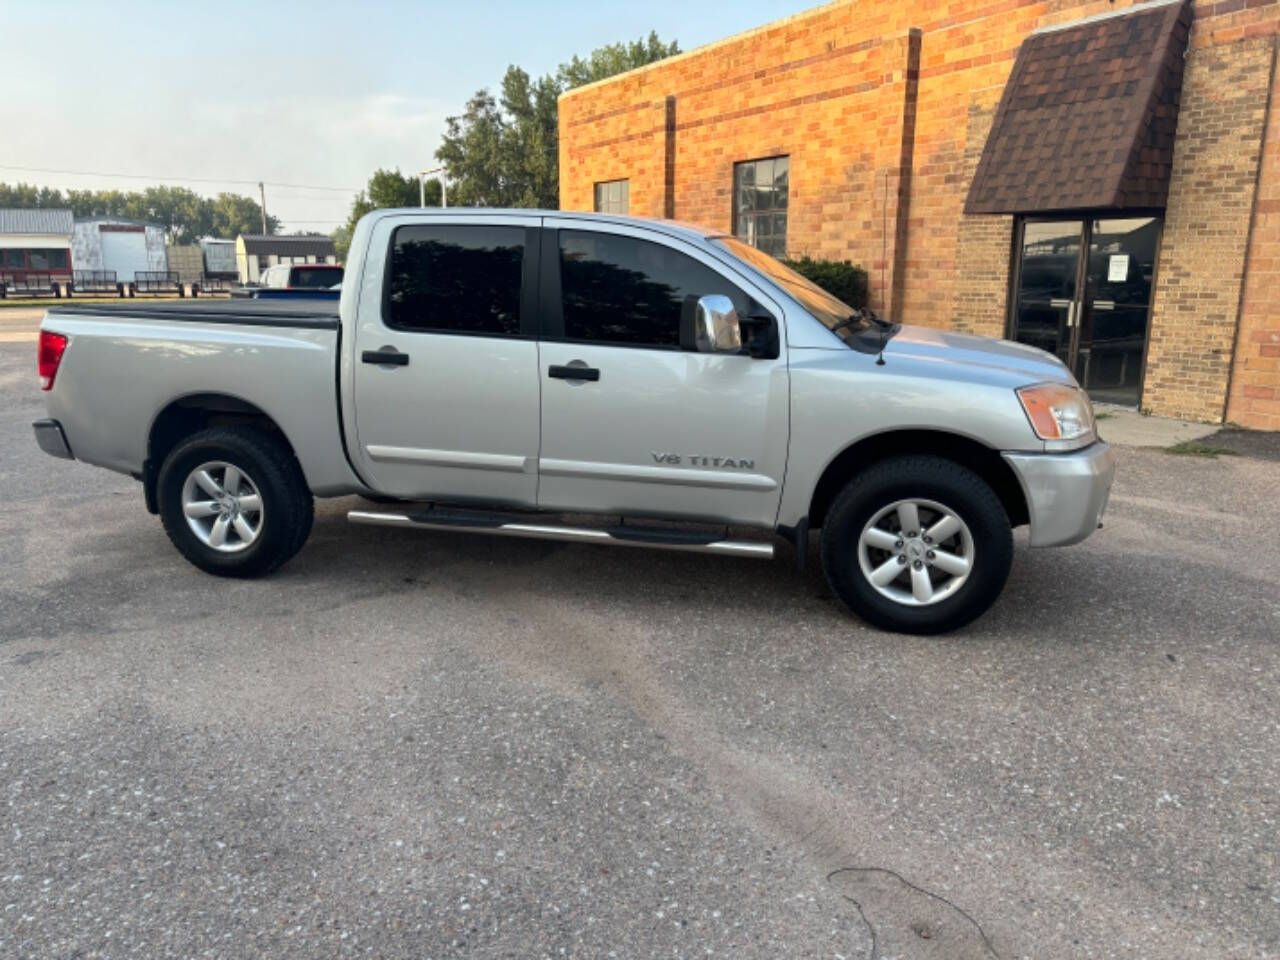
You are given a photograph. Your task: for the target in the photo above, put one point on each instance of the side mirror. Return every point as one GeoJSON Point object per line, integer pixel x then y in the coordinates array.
{"type": "Point", "coordinates": [715, 326]}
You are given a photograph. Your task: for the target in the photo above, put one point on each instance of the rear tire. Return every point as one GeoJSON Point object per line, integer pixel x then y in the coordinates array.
{"type": "Point", "coordinates": [932, 579]}
{"type": "Point", "coordinates": [234, 502]}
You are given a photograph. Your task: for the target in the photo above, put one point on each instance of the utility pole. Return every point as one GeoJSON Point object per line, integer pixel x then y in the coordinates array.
{"type": "Point", "coordinates": [262, 192]}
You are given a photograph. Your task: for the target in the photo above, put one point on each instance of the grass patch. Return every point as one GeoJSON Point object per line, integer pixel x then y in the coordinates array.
{"type": "Point", "coordinates": [1194, 448]}
{"type": "Point", "coordinates": [1104, 415]}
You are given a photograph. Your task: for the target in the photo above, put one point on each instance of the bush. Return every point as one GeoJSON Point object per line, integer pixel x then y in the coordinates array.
{"type": "Point", "coordinates": [840, 278]}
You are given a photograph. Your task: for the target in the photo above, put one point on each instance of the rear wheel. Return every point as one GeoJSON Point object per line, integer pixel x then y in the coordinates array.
{"type": "Point", "coordinates": [917, 544]}
{"type": "Point", "coordinates": [234, 501]}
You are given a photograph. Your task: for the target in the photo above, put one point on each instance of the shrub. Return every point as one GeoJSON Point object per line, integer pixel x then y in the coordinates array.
{"type": "Point", "coordinates": [840, 278]}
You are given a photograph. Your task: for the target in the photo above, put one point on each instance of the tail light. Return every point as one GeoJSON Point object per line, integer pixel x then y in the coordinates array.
{"type": "Point", "coordinates": [48, 356]}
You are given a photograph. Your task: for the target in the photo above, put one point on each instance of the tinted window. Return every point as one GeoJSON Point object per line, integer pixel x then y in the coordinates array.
{"type": "Point", "coordinates": [621, 290]}
{"type": "Point", "coordinates": [315, 278]}
{"type": "Point", "coordinates": [39, 259]}
{"type": "Point", "coordinates": [455, 278]}
{"type": "Point", "coordinates": [15, 259]}
{"type": "Point", "coordinates": [57, 259]}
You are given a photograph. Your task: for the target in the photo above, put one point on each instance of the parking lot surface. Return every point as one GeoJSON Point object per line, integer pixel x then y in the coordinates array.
{"type": "Point", "coordinates": [428, 746]}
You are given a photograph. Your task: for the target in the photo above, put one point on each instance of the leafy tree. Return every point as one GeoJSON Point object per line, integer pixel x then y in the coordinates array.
{"type": "Point", "coordinates": [386, 189]}
{"type": "Point", "coordinates": [185, 215]}
{"type": "Point", "coordinates": [504, 152]}
{"type": "Point", "coordinates": [613, 59]}
{"type": "Point", "coordinates": [232, 214]}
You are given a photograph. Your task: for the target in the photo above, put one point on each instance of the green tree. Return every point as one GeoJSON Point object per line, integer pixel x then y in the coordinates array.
{"type": "Point", "coordinates": [185, 215]}
{"type": "Point", "coordinates": [385, 189]}
{"type": "Point", "coordinates": [615, 58]}
{"type": "Point", "coordinates": [232, 214]}
{"type": "Point", "coordinates": [504, 152]}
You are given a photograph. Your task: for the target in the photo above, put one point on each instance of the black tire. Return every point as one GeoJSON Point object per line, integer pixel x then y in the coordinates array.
{"type": "Point", "coordinates": [929, 478]}
{"type": "Point", "coordinates": [287, 506]}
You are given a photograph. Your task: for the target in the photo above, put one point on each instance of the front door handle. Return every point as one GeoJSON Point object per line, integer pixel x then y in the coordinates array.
{"type": "Point", "coordinates": [386, 357]}
{"type": "Point", "coordinates": [573, 372]}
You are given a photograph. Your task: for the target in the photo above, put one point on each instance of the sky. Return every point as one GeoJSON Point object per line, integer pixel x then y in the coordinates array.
{"type": "Point", "coordinates": [300, 95]}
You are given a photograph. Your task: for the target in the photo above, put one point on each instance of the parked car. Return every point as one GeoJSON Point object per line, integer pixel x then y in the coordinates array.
{"type": "Point", "coordinates": [490, 371]}
{"type": "Point", "coordinates": [313, 281]}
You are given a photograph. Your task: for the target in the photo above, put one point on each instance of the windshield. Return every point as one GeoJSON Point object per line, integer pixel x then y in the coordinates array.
{"type": "Point", "coordinates": [832, 311]}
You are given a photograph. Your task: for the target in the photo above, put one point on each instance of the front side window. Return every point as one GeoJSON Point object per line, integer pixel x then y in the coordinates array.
{"type": "Point", "coordinates": [613, 196]}
{"type": "Point", "coordinates": [455, 279]}
{"type": "Point", "coordinates": [622, 290]}
{"type": "Point", "coordinates": [57, 259]}
{"type": "Point", "coordinates": [39, 259]}
{"type": "Point", "coordinates": [760, 203]}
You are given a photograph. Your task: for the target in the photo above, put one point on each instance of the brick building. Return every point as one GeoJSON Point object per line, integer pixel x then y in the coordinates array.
{"type": "Point", "coordinates": [1098, 178]}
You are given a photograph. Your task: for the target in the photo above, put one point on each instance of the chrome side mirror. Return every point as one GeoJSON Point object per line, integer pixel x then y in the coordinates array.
{"type": "Point", "coordinates": [716, 328]}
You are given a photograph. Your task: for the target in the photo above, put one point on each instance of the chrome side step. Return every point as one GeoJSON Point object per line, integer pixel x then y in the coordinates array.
{"type": "Point", "coordinates": [623, 536]}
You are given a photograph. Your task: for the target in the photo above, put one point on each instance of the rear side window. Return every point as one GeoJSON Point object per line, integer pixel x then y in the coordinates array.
{"type": "Point", "coordinates": [618, 289]}
{"type": "Point", "coordinates": [15, 259]}
{"type": "Point", "coordinates": [455, 279]}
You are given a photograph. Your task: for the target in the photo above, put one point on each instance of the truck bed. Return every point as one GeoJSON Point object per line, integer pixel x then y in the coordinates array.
{"type": "Point", "coordinates": [296, 313]}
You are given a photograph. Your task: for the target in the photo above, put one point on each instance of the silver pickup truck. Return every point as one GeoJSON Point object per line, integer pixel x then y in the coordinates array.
{"type": "Point", "coordinates": [493, 371]}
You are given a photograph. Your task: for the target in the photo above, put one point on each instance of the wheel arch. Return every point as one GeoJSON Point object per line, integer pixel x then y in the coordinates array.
{"type": "Point", "coordinates": [978, 457]}
{"type": "Point", "coordinates": [194, 412]}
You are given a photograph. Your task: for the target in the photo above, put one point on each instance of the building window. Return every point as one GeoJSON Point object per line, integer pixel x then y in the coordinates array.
{"type": "Point", "coordinates": [613, 196]}
{"type": "Point", "coordinates": [760, 203]}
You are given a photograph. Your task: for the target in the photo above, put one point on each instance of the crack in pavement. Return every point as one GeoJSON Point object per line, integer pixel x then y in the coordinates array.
{"type": "Point", "coordinates": [934, 933]}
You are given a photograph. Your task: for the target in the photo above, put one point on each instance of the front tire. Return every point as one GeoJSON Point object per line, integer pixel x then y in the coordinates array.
{"type": "Point", "coordinates": [234, 502]}
{"type": "Point", "coordinates": [917, 544]}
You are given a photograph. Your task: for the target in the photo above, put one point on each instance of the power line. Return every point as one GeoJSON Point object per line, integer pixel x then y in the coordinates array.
{"type": "Point", "coordinates": [143, 176]}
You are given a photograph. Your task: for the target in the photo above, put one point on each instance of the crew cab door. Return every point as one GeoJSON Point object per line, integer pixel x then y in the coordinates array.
{"type": "Point", "coordinates": [631, 423]}
{"type": "Point", "coordinates": [444, 364]}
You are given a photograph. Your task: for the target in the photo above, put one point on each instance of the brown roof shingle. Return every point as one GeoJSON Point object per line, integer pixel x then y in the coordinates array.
{"type": "Point", "coordinates": [1088, 116]}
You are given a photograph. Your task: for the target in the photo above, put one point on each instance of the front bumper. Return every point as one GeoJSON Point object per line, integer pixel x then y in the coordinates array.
{"type": "Point", "coordinates": [1066, 492]}
{"type": "Point", "coordinates": [51, 439]}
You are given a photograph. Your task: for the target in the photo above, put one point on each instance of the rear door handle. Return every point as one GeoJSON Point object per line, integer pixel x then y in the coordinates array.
{"type": "Point", "coordinates": [391, 358]}
{"type": "Point", "coordinates": [570, 372]}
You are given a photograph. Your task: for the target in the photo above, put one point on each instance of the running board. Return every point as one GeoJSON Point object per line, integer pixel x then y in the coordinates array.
{"type": "Point", "coordinates": [623, 536]}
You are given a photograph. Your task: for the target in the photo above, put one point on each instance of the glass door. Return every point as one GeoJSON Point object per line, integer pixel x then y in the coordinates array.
{"type": "Point", "coordinates": [1048, 277]}
{"type": "Point", "coordinates": [1084, 294]}
{"type": "Point", "coordinates": [1116, 305]}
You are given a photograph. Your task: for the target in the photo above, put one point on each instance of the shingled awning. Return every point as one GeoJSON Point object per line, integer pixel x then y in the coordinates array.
{"type": "Point", "coordinates": [1088, 116]}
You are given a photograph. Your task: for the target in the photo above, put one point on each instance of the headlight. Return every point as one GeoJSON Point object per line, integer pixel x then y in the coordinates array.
{"type": "Point", "coordinates": [1057, 411]}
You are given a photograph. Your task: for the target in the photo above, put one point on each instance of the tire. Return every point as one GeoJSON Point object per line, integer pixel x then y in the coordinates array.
{"type": "Point", "coordinates": [944, 583]}
{"type": "Point", "coordinates": [265, 467]}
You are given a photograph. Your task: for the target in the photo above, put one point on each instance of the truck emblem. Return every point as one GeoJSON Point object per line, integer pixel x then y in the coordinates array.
{"type": "Point", "coordinates": [697, 460]}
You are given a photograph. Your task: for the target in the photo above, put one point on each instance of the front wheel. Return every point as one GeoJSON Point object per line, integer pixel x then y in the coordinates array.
{"type": "Point", "coordinates": [234, 501]}
{"type": "Point", "coordinates": [917, 544]}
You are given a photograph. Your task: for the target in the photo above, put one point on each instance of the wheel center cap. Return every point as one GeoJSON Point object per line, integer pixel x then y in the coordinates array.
{"type": "Point", "coordinates": [915, 549]}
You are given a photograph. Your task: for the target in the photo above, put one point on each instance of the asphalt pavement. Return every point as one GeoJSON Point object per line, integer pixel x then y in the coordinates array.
{"type": "Point", "coordinates": [424, 745]}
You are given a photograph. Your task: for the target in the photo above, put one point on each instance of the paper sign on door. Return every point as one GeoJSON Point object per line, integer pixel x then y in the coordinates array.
{"type": "Point", "coordinates": [1118, 268]}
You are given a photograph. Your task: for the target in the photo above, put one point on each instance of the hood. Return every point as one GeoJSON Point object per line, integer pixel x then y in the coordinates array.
{"type": "Point", "coordinates": [1002, 358]}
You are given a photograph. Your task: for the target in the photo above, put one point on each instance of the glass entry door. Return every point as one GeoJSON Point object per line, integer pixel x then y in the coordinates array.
{"type": "Point", "coordinates": [1084, 293]}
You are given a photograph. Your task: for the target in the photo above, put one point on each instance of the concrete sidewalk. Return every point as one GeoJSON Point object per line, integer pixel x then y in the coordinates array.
{"type": "Point", "coordinates": [1127, 427]}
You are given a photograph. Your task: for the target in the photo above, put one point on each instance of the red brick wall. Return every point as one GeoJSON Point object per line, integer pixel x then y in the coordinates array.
{"type": "Point", "coordinates": [835, 89]}
{"type": "Point", "coordinates": [1255, 383]}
